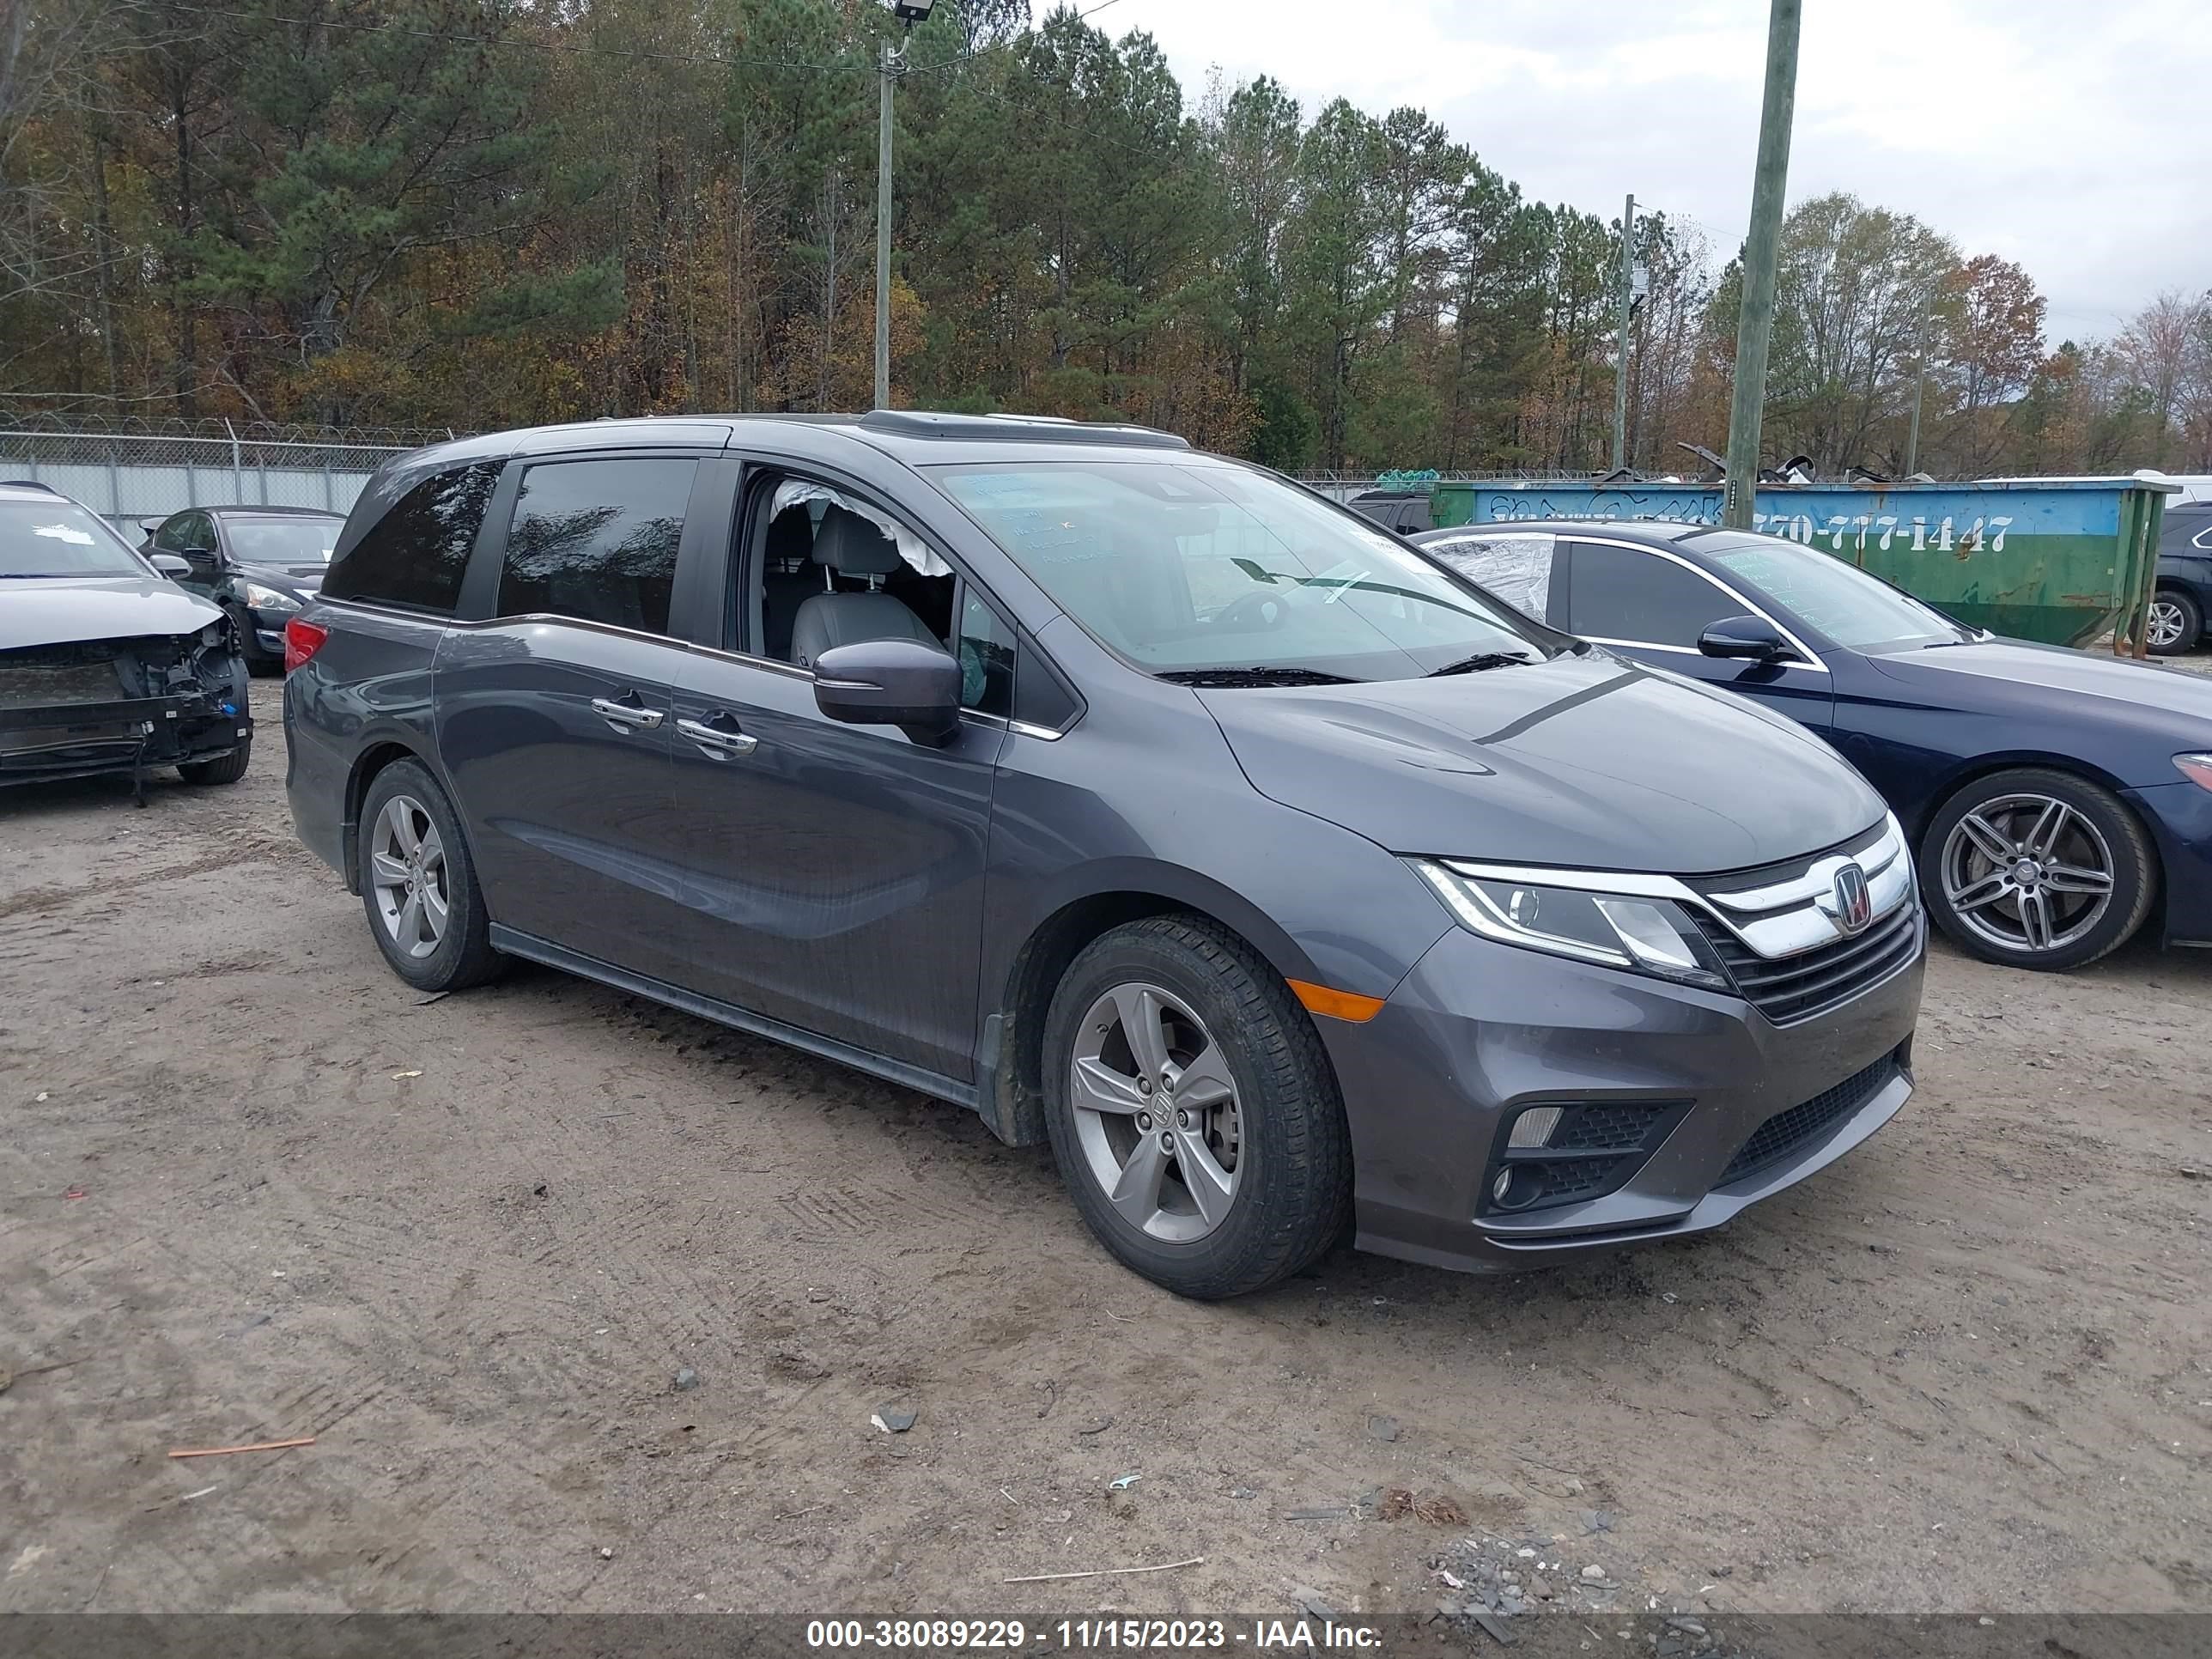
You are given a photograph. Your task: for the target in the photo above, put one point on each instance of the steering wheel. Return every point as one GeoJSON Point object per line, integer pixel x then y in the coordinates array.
{"type": "Point", "coordinates": [1252, 613]}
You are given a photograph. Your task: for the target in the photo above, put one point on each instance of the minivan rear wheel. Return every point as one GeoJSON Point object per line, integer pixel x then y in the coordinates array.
{"type": "Point", "coordinates": [1192, 1110]}
{"type": "Point", "coordinates": [418, 885]}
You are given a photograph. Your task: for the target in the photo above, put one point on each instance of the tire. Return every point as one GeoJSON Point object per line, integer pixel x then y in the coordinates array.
{"type": "Point", "coordinates": [257, 661]}
{"type": "Point", "coordinates": [2177, 622]}
{"type": "Point", "coordinates": [1278, 1136]}
{"type": "Point", "coordinates": [2042, 821]}
{"type": "Point", "coordinates": [224, 768]}
{"type": "Point", "coordinates": [429, 954]}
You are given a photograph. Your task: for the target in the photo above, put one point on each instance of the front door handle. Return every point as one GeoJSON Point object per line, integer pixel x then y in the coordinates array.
{"type": "Point", "coordinates": [715, 743]}
{"type": "Point", "coordinates": [629, 716]}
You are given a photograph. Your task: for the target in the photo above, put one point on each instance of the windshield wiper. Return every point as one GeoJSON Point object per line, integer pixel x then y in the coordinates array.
{"type": "Point", "coordinates": [1476, 664]}
{"type": "Point", "coordinates": [1227, 678]}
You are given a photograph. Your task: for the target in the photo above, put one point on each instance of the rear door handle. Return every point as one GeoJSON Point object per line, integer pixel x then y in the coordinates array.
{"type": "Point", "coordinates": [717, 743]}
{"type": "Point", "coordinates": [634, 716]}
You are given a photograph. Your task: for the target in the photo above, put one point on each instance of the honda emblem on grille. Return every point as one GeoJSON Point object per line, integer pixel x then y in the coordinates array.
{"type": "Point", "coordinates": [1854, 905]}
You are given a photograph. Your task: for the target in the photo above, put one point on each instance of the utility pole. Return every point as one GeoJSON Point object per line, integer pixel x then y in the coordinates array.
{"type": "Point", "coordinates": [1769, 183]}
{"type": "Point", "coordinates": [1620, 363]}
{"type": "Point", "coordinates": [1919, 390]}
{"type": "Point", "coordinates": [891, 62]}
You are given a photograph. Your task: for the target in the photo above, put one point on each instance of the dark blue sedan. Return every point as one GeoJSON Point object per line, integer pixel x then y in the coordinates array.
{"type": "Point", "coordinates": [2056, 799]}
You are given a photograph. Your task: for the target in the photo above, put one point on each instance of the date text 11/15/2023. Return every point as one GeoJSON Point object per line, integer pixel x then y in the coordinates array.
{"type": "Point", "coordinates": [1093, 1635]}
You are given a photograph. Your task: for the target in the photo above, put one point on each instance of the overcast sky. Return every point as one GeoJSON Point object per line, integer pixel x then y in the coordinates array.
{"type": "Point", "coordinates": [2072, 136]}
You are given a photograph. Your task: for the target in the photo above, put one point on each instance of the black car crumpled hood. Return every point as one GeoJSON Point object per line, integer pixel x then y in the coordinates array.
{"type": "Point", "coordinates": [55, 610]}
{"type": "Point", "coordinates": [303, 578]}
{"type": "Point", "coordinates": [1586, 762]}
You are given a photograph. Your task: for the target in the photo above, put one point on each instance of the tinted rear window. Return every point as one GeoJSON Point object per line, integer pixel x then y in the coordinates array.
{"type": "Point", "coordinates": [2187, 530]}
{"type": "Point", "coordinates": [415, 554]}
{"type": "Point", "coordinates": [597, 540]}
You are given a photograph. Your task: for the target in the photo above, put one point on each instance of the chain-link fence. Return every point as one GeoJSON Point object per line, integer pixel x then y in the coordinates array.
{"type": "Point", "coordinates": [129, 471]}
{"type": "Point", "coordinates": [1343, 486]}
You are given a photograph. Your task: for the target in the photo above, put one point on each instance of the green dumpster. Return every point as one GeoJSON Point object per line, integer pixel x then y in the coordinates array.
{"type": "Point", "coordinates": [2058, 560]}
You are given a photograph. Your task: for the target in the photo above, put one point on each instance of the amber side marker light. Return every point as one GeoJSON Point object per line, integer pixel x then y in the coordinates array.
{"type": "Point", "coordinates": [1337, 1005]}
{"type": "Point", "coordinates": [2197, 768]}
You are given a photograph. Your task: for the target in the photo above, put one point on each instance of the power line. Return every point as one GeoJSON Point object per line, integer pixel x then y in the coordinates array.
{"type": "Point", "coordinates": [955, 61]}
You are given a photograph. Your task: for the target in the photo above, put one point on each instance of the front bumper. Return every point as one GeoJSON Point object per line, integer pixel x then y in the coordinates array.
{"type": "Point", "coordinates": [2179, 815]}
{"type": "Point", "coordinates": [75, 740]}
{"type": "Point", "coordinates": [1479, 1030]}
{"type": "Point", "coordinates": [268, 631]}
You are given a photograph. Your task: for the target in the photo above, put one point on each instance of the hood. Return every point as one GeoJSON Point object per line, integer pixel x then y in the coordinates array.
{"type": "Point", "coordinates": [297, 578]}
{"type": "Point", "coordinates": [1587, 761]}
{"type": "Point", "coordinates": [55, 609]}
{"type": "Point", "coordinates": [2142, 687]}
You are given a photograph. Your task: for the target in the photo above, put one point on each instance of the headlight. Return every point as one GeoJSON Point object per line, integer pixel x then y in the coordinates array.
{"type": "Point", "coordinates": [2197, 768]}
{"type": "Point", "coordinates": [1622, 930]}
{"type": "Point", "coordinates": [268, 599]}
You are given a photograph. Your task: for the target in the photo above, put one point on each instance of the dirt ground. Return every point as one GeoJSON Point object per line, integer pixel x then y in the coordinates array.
{"type": "Point", "coordinates": [252, 1187]}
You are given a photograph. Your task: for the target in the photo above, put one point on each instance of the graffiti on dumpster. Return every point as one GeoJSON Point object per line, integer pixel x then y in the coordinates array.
{"type": "Point", "coordinates": [1839, 533]}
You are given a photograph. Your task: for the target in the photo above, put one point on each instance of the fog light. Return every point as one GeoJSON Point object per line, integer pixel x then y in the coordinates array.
{"type": "Point", "coordinates": [1517, 1188]}
{"type": "Point", "coordinates": [1534, 1127]}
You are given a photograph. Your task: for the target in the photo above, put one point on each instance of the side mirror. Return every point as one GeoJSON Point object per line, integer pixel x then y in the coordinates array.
{"type": "Point", "coordinates": [202, 557]}
{"type": "Point", "coordinates": [1753, 638]}
{"type": "Point", "coordinates": [901, 683]}
{"type": "Point", "coordinates": [169, 565]}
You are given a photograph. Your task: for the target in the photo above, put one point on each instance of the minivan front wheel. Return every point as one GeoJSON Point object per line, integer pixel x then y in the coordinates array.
{"type": "Point", "coordinates": [1192, 1110]}
{"type": "Point", "coordinates": [418, 885]}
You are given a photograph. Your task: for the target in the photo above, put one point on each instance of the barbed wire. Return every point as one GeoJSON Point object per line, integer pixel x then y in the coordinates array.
{"type": "Point", "coordinates": [83, 424]}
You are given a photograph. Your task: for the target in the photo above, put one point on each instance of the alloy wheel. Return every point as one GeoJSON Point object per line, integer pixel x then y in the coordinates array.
{"type": "Point", "coordinates": [1157, 1113]}
{"type": "Point", "coordinates": [2165, 623]}
{"type": "Point", "coordinates": [2027, 872]}
{"type": "Point", "coordinates": [407, 869]}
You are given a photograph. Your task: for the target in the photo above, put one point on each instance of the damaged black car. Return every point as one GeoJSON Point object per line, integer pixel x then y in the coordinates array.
{"type": "Point", "coordinates": [106, 664]}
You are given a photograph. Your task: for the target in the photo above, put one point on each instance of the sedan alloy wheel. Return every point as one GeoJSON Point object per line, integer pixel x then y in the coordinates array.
{"type": "Point", "coordinates": [2027, 872]}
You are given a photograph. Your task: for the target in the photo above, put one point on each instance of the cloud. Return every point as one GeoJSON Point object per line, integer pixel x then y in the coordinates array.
{"type": "Point", "coordinates": [2066, 136]}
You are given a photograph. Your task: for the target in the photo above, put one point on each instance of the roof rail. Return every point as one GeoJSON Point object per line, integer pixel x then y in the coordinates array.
{"type": "Point", "coordinates": [28, 484]}
{"type": "Point", "coordinates": [1015, 428]}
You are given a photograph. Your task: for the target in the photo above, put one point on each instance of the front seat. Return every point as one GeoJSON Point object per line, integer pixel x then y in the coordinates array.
{"type": "Point", "coordinates": [850, 545]}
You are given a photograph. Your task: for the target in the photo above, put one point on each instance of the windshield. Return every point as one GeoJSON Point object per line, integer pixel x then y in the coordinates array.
{"type": "Point", "coordinates": [1202, 571]}
{"type": "Point", "coordinates": [283, 541]}
{"type": "Point", "coordinates": [60, 538]}
{"type": "Point", "coordinates": [1858, 612]}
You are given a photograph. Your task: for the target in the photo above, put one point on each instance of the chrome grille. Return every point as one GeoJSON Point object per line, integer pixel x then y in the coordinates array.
{"type": "Point", "coordinates": [1790, 989]}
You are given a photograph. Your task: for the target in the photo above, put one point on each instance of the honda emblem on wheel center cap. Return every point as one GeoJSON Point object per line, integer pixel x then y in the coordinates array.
{"type": "Point", "coordinates": [1854, 905]}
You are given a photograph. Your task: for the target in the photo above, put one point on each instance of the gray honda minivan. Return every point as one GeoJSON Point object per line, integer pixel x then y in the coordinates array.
{"type": "Point", "coordinates": [1135, 798]}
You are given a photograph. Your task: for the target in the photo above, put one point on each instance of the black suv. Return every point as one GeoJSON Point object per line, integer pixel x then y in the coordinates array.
{"type": "Point", "coordinates": [260, 563]}
{"type": "Point", "coordinates": [1405, 511]}
{"type": "Point", "coordinates": [1133, 797]}
{"type": "Point", "coordinates": [2184, 580]}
